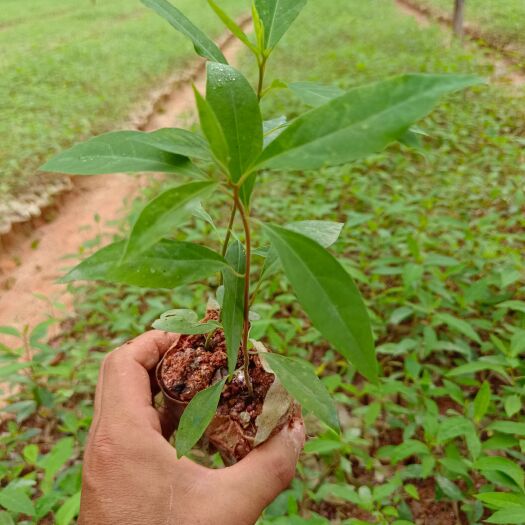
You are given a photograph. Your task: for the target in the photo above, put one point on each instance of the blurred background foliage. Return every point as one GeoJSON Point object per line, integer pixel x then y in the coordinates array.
{"type": "Point", "coordinates": [434, 238]}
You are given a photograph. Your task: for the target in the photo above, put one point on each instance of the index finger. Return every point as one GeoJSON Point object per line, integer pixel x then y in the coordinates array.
{"type": "Point", "coordinates": [124, 388]}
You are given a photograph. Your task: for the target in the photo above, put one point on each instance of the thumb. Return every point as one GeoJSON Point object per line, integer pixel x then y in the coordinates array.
{"type": "Point", "coordinates": [269, 469]}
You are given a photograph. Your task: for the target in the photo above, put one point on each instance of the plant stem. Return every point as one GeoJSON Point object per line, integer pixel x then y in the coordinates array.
{"type": "Point", "coordinates": [229, 232]}
{"type": "Point", "coordinates": [262, 71]}
{"type": "Point", "coordinates": [208, 339]}
{"type": "Point", "coordinates": [246, 324]}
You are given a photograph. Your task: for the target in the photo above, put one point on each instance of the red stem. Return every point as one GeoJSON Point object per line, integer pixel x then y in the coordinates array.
{"type": "Point", "coordinates": [246, 323]}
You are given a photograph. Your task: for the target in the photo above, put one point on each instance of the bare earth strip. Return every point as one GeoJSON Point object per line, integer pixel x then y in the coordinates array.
{"type": "Point", "coordinates": [505, 69]}
{"type": "Point", "coordinates": [27, 272]}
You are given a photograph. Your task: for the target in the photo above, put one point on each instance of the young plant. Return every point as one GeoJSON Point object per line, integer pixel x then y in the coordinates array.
{"type": "Point", "coordinates": [235, 146]}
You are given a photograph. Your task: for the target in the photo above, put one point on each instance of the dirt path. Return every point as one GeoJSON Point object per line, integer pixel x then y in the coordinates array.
{"type": "Point", "coordinates": [30, 265]}
{"type": "Point", "coordinates": [505, 70]}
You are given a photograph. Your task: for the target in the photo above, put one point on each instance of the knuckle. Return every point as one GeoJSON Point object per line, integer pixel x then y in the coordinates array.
{"type": "Point", "coordinates": [110, 361]}
{"type": "Point", "coordinates": [101, 450]}
{"type": "Point", "coordinates": [103, 443]}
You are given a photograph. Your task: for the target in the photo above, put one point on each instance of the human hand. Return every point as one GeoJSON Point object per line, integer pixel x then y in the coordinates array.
{"type": "Point", "coordinates": [131, 472]}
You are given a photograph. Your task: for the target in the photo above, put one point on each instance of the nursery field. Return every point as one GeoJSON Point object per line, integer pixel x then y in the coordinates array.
{"type": "Point", "coordinates": [61, 65]}
{"type": "Point", "coordinates": [502, 22]}
{"type": "Point", "coordinates": [434, 238]}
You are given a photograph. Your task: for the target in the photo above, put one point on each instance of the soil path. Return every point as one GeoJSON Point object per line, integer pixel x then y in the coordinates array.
{"type": "Point", "coordinates": [30, 265]}
{"type": "Point", "coordinates": [505, 70]}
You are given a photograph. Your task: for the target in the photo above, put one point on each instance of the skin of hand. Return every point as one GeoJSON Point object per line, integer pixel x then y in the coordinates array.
{"type": "Point", "coordinates": [131, 473]}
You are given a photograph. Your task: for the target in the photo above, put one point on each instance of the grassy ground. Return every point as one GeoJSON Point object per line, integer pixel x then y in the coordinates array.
{"type": "Point", "coordinates": [503, 22]}
{"type": "Point", "coordinates": [435, 241]}
{"type": "Point", "coordinates": [73, 69]}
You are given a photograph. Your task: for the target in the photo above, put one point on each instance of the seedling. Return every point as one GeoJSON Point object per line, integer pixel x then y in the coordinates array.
{"type": "Point", "coordinates": [236, 144]}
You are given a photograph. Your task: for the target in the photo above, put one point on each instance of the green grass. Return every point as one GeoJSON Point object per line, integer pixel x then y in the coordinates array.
{"type": "Point", "coordinates": [503, 22]}
{"type": "Point", "coordinates": [435, 241]}
{"type": "Point", "coordinates": [73, 69]}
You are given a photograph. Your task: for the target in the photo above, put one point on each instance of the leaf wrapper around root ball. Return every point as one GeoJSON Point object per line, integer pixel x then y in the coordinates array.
{"type": "Point", "coordinates": [241, 423]}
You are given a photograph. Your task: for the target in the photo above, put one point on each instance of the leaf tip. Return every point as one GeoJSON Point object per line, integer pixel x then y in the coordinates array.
{"type": "Point", "coordinates": [65, 279]}
{"type": "Point", "coordinates": [49, 166]}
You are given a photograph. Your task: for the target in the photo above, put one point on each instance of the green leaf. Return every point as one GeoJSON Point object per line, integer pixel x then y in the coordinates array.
{"type": "Point", "coordinates": [203, 45]}
{"type": "Point", "coordinates": [11, 369]}
{"type": "Point", "coordinates": [176, 140]}
{"type": "Point", "coordinates": [30, 453]}
{"type": "Point", "coordinates": [345, 492]}
{"type": "Point", "coordinates": [456, 466]}
{"type": "Point", "coordinates": [500, 442]}
{"type": "Point", "coordinates": [9, 330]}
{"type": "Point", "coordinates": [275, 85]}
{"type": "Point", "coordinates": [232, 26]}
{"type": "Point", "coordinates": [508, 516]}
{"type": "Point", "coordinates": [6, 519]}
{"type": "Point", "coordinates": [373, 411]}
{"type": "Point", "coordinates": [166, 265]}
{"type": "Point", "coordinates": [45, 504]}
{"type": "Point", "coordinates": [160, 216]}
{"type": "Point", "coordinates": [482, 401]}
{"type": "Point", "coordinates": [502, 500]}
{"type": "Point", "coordinates": [361, 122]}
{"type": "Point", "coordinates": [328, 295]}
{"type": "Point", "coordinates": [412, 491]}
{"type": "Point", "coordinates": [55, 460]}
{"type": "Point", "coordinates": [459, 325]}
{"type": "Point", "coordinates": [273, 128]}
{"type": "Point", "coordinates": [184, 322]}
{"type": "Point", "coordinates": [400, 314]}
{"type": "Point", "coordinates": [517, 343]}
{"type": "Point", "coordinates": [196, 417]}
{"type": "Point", "coordinates": [508, 427]}
{"type": "Point", "coordinates": [277, 16]}
{"type": "Point", "coordinates": [322, 446]}
{"type": "Point", "coordinates": [232, 313]}
{"type": "Point", "coordinates": [381, 493]}
{"type": "Point", "coordinates": [247, 189]}
{"type": "Point", "coordinates": [518, 306]}
{"type": "Point", "coordinates": [454, 427]}
{"type": "Point", "coordinates": [16, 500]}
{"type": "Point", "coordinates": [257, 26]}
{"type": "Point", "coordinates": [412, 138]}
{"type": "Point", "coordinates": [235, 104]}
{"type": "Point", "coordinates": [325, 233]}
{"type": "Point", "coordinates": [449, 488]}
{"type": "Point", "coordinates": [436, 259]}
{"type": "Point", "coordinates": [478, 366]}
{"type": "Point", "coordinates": [199, 212]}
{"type": "Point", "coordinates": [473, 443]}
{"type": "Point", "coordinates": [40, 332]}
{"type": "Point", "coordinates": [69, 510]}
{"type": "Point", "coordinates": [116, 152]}
{"type": "Point", "coordinates": [503, 465]}
{"type": "Point", "coordinates": [409, 447]}
{"type": "Point", "coordinates": [212, 130]}
{"type": "Point", "coordinates": [512, 405]}
{"type": "Point", "coordinates": [313, 94]}
{"type": "Point", "coordinates": [299, 379]}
